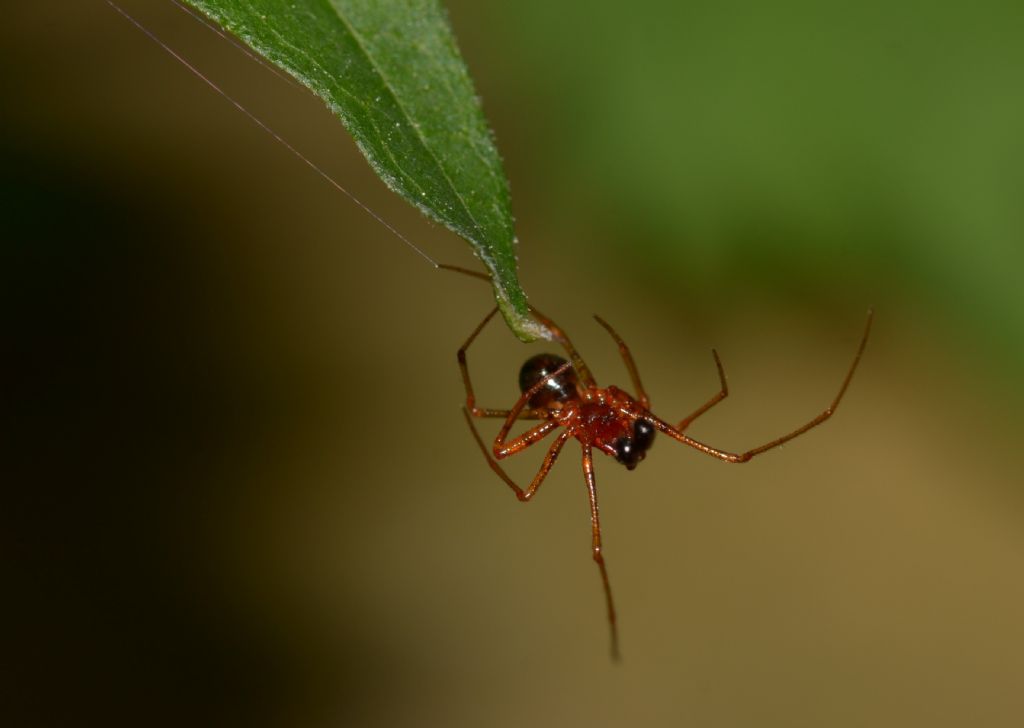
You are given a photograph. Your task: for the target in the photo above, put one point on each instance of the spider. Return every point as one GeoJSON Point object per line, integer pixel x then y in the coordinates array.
{"type": "Point", "coordinates": [564, 396]}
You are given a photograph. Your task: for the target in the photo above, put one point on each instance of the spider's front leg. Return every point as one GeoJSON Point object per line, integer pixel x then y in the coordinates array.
{"type": "Point", "coordinates": [627, 358]}
{"type": "Point", "coordinates": [723, 392]}
{"type": "Point", "coordinates": [731, 457]}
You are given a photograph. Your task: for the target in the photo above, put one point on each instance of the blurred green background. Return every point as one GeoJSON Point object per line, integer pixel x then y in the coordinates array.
{"type": "Point", "coordinates": [241, 490]}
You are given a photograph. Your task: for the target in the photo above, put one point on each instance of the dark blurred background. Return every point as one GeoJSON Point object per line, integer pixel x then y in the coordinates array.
{"type": "Point", "coordinates": [239, 487]}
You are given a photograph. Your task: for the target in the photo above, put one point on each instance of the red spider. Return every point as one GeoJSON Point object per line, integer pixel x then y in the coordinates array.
{"type": "Point", "coordinates": [564, 395]}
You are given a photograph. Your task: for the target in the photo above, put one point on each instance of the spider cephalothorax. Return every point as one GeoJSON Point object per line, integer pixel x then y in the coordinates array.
{"type": "Point", "coordinates": [563, 395]}
{"type": "Point", "coordinates": [609, 420]}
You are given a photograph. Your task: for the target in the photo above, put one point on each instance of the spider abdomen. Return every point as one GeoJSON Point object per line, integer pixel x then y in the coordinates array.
{"type": "Point", "coordinates": [561, 388]}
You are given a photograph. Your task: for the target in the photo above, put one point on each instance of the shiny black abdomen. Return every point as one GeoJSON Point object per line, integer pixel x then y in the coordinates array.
{"type": "Point", "coordinates": [557, 389]}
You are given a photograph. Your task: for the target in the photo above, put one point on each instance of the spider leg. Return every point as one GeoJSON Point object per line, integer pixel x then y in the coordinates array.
{"type": "Point", "coordinates": [627, 357]}
{"type": "Point", "coordinates": [745, 456]}
{"type": "Point", "coordinates": [549, 460]}
{"type": "Point", "coordinates": [722, 394]}
{"type": "Point", "coordinates": [465, 271]}
{"type": "Point", "coordinates": [595, 525]}
{"type": "Point", "coordinates": [464, 368]}
{"type": "Point", "coordinates": [502, 447]}
{"type": "Point", "coordinates": [582, 370]}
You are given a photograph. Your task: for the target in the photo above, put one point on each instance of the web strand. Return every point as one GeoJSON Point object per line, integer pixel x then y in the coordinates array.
{"type": "Point", "coordinates": [228, 39]}
{"type": "Point", "coordinates": [277, 137]}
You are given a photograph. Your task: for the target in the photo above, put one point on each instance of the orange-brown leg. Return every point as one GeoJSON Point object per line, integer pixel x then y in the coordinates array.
{"type": "Point", "coordinates": [722, 394]}
{"type": "Point", "coordinates": [549, 460]}
{"type": "Point", "coordinates": [745, 456]}
{"type": "Point", "coordinates": [634, 375]}
{"type": "Point", "coordinates": [502, 447]}
{"type": "Point", "coordinates": [627, 357]}
{"type": "Point", "coordinates": [595, 528]}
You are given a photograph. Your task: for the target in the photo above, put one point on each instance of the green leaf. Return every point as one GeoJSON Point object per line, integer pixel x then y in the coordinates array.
{"type": "Point", "coordinates": [390, 70]}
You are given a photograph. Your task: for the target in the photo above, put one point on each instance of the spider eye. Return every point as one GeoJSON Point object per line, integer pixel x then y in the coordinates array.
{"type": "Point", "coordinates": [631, 450]}
{"type": "Point", "coordinates": [643, 434]}
{"type": "Point", "coordinates": [626, 452]}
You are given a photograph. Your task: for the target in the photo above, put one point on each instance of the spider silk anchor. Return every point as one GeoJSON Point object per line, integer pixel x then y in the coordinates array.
{"type": "Point", "coordinates": [564, 396]}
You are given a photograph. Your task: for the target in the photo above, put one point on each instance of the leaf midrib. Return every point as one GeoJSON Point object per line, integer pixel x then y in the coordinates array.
{"type": "Point", "coordinates": [408, 120]}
